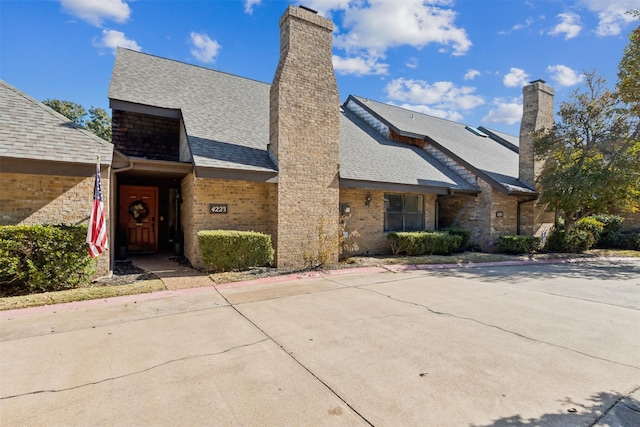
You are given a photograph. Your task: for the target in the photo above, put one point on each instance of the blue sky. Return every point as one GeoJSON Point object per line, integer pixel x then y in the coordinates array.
{"type": "Point", "coordinates": [464, 60]}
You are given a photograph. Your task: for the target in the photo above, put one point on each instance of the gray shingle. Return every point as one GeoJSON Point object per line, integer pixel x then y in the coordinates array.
{"type": "Point", "coordinates": [31, 130]}
{"type": "Point", "coordinates": [484, 154]}
{"type": "Point", "coordinates": [365, 155]}
{"type": "Point", "coordinates": [226, 117]}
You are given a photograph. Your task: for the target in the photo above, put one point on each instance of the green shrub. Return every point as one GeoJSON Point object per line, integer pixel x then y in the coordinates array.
{"type": "Point", "coordinates": [518, 244]}
{"type": "Point", "coordinates": [226, 250]}
{"type": "Point", "coordinates": [630, 240]}
{"type": "Point", "coordinates": [465, 234]}
{"type": "Point", "coordinates": [575, 241]}
{"type": "Point", "coordinates": [415, 243]}
{"type": "Point", "coordinates": [590, 225]}
{"type": "Point", "coordinates": [41, 258]}
{"type": "Point", "coordinates": [610, 235]}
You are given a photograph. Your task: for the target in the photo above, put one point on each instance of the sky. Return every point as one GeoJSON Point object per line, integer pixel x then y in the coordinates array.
{"type": "Point", "coordinates": [462, 60]}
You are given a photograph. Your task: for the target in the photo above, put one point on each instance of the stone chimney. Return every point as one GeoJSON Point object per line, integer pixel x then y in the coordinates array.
{"type": "Point", "coordinates": [537, 100]}
{"type": "Point", "coordinates": [304, 140]}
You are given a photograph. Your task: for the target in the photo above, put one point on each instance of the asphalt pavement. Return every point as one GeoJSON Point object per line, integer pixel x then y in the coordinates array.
{"type": "Point", "coordinates": [533, 345]}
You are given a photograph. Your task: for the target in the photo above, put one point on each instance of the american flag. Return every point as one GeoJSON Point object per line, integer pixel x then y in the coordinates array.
{"type": "Point", "coordinates": [97, 232]}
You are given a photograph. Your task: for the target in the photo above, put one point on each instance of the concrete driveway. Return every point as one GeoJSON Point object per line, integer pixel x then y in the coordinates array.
{"type": "Point", "coordinates": [552, 345]}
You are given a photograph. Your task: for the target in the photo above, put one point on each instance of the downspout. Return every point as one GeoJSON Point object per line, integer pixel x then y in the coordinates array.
{"type": "Point", "coordinates": [447, 196]}
{"type": "Point", "coordinates": [518, 220]}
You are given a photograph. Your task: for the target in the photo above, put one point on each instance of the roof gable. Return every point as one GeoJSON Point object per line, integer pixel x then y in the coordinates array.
{"type": "Point", "coordinates": [226, 117]}
{"type": "Point", "coordinates": [30, 130]}
{"type": "Point", "coordinates": [492, 160]}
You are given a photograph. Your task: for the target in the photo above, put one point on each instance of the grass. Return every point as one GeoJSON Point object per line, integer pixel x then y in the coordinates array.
{"type": "Point", "coordinates": [147, 286]}
{"type": "Point", "coordinates": [81, 294]}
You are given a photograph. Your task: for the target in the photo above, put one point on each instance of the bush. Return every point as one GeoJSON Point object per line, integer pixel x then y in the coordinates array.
{"type": "Point", "coordinates": [630, 240]}
{"type": "Point", "coordinates": [226, 250]}
{"type": "Point", "coordinates": [465, 234]}
{"type": "Point", "coordinates": [42, 258]}
{"type": "Point", "coordinates": [424, 243]}
{"type": "Point", "coordinates": [590, 225]}
{"type": "Point", "coordinates": [610, 235]}
{"type": "Point", "coordinates": [518, 244]}
{"type": "Point", "coordinates": [575, 241]}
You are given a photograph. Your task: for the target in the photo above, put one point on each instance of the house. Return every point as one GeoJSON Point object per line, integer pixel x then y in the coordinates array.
{"type": "Point", "coordinates": [47, 165]}
{"type": "Point", "coordinates": [198, 149]}
{"type": "Point", "coordinates": [211, 150]}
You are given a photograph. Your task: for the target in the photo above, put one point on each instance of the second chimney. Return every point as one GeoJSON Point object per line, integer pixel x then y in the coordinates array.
{"type": "Point", "coordinates": [304, 138]}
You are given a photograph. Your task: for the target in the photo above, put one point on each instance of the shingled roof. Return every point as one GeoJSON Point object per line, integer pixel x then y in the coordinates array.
{"type": "Point", "coordinates": [370, 160]}
{"type": "Point", "coordinates": [478, 152]}
{"type": "Point", "coordinates": [226, 117]}
{"type": "Point", "coordinates": [29, 130]}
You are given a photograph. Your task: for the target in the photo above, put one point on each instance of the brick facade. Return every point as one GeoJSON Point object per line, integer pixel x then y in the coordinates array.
{"type": "Point", "coordinates": [52, 199]}
{"type": "Point", "coordinates": [304, 137]}
{"type": "Point", "coordinates": [537, 99]}
{"type": "Point", "coordinates": [368, 221]}
{"type": "Point", "coordinates": [142, 135]}
{"type": "Point", "coordinates": [251, 207]}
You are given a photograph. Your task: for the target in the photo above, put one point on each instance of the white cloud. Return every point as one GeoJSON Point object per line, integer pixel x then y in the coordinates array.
{"type": "Point", "coordinates": [412, 63]}
{"type": "Point", "coordinates": [565, 76]}
{"type": "Point", "coordinates": [612, 14]}
{"type": "Point", "coordinates": [204, 49]}
{"type": "Point", "coordinates": [435, 112]}
{"type": "Point", "coordinates": [515, 77]}
{"type": "Point", "coordinates": [370, 28]}
{"type": "Point", "coordinates": [249, 5]}
{"type": "Point", "coordinates": [504, 111]}
{"type": "Point", "coordinates": [471, 74]}
{"type": "Point", "coordinates": [97, 11]}
{"type": "Point", "coordinates": [112, 39]}
{"type": "Point", "coordinates": [570, 26]}
{"type": "Point", "coordinates": [518, 27]}
{"type": "Point", "coordinates": [444, 96]}
{"type": "Point", "coordinates": [359, 66]}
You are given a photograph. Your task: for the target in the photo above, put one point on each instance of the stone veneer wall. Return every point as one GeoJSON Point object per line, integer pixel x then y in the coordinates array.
{"type": "Point", "coordinates": [537, 114]}
{"type": "Point", "coordinates": [28, 199]}
{"type": "Point", "coordinates": [305, 136]}
{"type": "Point", "coordinates": [143, 135]}
{"type": "Point", "coordinates": [251, 207]}
{"type": "Point", "coordinates": [368, 221]}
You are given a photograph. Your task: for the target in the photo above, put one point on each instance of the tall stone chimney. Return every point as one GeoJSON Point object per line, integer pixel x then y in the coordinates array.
{"type": "Point", "coordinates": [537, 114]}
{"type": "Point", "coordinates": [304, 140]}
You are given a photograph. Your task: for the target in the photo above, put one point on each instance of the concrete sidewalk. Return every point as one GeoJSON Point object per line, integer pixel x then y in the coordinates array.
{"type": "Point", "coordinates": [554, 344]}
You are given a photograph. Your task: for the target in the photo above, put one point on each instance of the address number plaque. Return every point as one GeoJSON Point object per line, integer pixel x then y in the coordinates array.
{"type": "Point", "coordinates": [216, 208]}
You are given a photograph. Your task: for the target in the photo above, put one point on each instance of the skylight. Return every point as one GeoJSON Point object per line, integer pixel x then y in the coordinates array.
{"type": "Point", "coordinates": [476, 131]}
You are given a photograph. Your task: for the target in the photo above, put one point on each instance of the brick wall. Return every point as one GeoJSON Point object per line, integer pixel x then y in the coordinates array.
{"type": "Point", "coordinates": [304, 137]}
{"type": "Point", "coordinates": [368, 221]}
{"type": "Point", "coordinates": [142, 135]}
{"type": "Point", "coordinates": [537, 114]}
{"type": "Point", "coordinates": [251, 207]}
{"type": "Point", "coordinates": [28, 199]}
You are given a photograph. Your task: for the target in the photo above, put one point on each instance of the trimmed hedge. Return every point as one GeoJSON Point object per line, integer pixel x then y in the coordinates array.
{"type": "Point", "coordinates": [227, 250]}
{"type": "Point", "coordinates": [610, 237]}
{"type": "Point", "coordinates": [42, 258]}
{"type": "Point", "coordinates": [518, 244]}
{"type": "Point", "coordinates": [415, 243]}
{"type": "Point", "coordinates": [465, 234]}
{"type": "Point", "coordinates": [576, 241]}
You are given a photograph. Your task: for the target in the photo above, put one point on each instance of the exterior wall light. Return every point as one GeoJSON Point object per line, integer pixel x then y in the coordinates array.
{"type": "Point", "coordinates": [499, 214]}
{"type": "Point", "coordinates": [367, 200]}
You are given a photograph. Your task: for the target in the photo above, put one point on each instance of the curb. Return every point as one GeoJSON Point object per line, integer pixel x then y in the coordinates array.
{"type": "Point", "coordinates": [386, 268]}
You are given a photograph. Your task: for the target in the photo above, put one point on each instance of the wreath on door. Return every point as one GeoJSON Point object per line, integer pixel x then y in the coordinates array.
{"type": "Point", "coordinates": [138, 210]}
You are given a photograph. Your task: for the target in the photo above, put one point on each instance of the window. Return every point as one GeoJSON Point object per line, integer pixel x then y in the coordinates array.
{"type": "Point", "coordinates": [403, 212]}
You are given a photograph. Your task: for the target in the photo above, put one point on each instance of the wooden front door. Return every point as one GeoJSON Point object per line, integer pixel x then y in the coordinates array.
{"type": "Point", "coordinates": [138, 217]}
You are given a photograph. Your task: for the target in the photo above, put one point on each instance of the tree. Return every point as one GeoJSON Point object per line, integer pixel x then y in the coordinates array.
{"type": "Point", "coordinates": [591, 156]}
{"type": "Point", "coordinates": [71, 110]}
{"type": "Point", "coordinates": [98, 123]}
